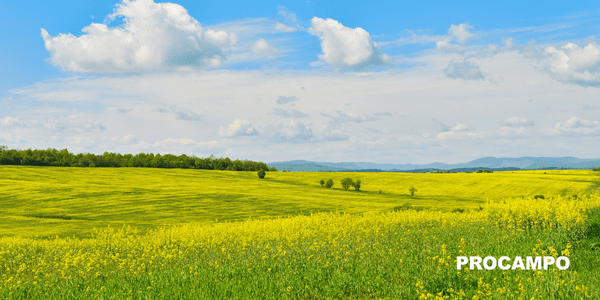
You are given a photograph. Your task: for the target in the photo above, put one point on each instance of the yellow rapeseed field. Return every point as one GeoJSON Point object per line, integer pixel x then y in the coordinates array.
{"type": "Point", "coordinates": [348, 254]}
{"type": "Point", "coordinates": [49, 201]}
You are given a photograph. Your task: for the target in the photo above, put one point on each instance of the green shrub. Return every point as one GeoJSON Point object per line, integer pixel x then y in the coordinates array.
{"type": "Point", "coordinates": [346, 183]}
{"type": "Point", "coordinates": [407, 206]}
{"type": "Point", "coordinates": [412, 191]}
{"type": "Point", "coordinates": [356, 185]}
{"type": "Point", "coordinates": [538, 197]}
{"type": "Point", "coordinates": [329, 183]}
{"type": "Point", "coordinates": [322, 182]}
{"type": "Point", "coordinates": [261, 174]}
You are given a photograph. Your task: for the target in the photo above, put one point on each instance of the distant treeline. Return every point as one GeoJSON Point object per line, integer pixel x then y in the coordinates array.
{"type": "Point", "coordinates": [63, 158]}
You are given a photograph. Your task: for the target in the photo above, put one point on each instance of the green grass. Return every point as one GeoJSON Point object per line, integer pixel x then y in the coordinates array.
{"type": "Point", "coordinates": [48, 201]}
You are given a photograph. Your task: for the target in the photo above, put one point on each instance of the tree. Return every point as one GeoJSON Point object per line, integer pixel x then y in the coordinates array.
{"type": "Point", "coordinates": [322, 182]}
{"type": "Point", "coordinates": [346, 183]}
{"type": "Point", "coordinates": [261, 174]}
{"type": "Point", "coordinates": [412, 191]}
{"type": "Point", "coordinates": [329, 183]}
{"type": "Point", "coordinates": [356, 186]}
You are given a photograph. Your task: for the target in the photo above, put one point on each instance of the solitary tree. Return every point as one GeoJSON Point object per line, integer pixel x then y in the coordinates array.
{"type": "Point", "coordinates": [322, 182]}
{"type": "Point", "coordinates": [412, 191]}
{"type": "Point", "coordinates": [329, 183]}
{"type": "Point", "coordinates": [356, 186]}
{"type": "Point", "coordinates": [346, 183]}
{"type": "Point", "coordinates": [261, 174]}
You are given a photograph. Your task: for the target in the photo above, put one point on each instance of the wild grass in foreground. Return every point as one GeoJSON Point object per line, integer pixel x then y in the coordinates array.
{"type": "Point", "coordinates": [395, 255]}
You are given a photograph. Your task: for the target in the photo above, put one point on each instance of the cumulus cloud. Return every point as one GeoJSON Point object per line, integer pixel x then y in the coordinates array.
{"type": "Point", "coordinates": [573, 64]}
{"type": "Point", "coordinates": [154, 36]}
{"type": "Point", "coordinates": [517, 122]}
{"type": "Point", "coordinates": [286, 100]}
{"type": "Point", "coordinates": [239, 127]}
{"type": "Point", "coordinates": [463, 70]}
{"type": "Point", "coordinates": [289, 113]}
{"type": "Point", "coordinates": [445, 46]}
{"type": "Point", "coordinates": [290, 132]}
{"type": "Point", "coordinates": [576, 127]}
{"type": "Point", "coordinates": [9, 121]}
{"type": "Point", "coordinates": [461, 32]}
{"type": "Point", "coordinates": [345, 47]}
{"type": "Point", "coordinates": [284, 28]}
{"type": "Point", "coordinates": [508, 43]}
{"type": "Point", "coordinates": [262, 47]}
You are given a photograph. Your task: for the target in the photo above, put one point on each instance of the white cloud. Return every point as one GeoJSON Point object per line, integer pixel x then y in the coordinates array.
{"type": "Point", "coordinates": [577, 127]}
{"type": "Point", "coordinates": [517, 122]}
{"type": "Point", "coordinates": [289, 16]}
{"type": "Point", "coordinates": [262, 47]}
{"type": "Point", "coordinates": [290, 132]}
{"type": "Point", "coordinates": [508, 43]}
{"type": "Point", "coordinates": [154, 36]}
{"type": "Point", "coordinates": [461, 32]}
{"type": "Point", "coordinates": [289, 113]}
{"type": "Point", "coordinates": [9, 121]}
{"type": "Point", "coordinates": [239, 127]}
{"type": "Point", "coordinates": [445, 46]}
{"type": "Point", "coordinates": [457, 32]}
{"type": "Point", "coordinates": [574, 64]}
{"type": "Point", "coordinates": [284, 28]}
{"type": "Point", "coordinates": [346, 47]}
{"type": "Point", "coordinates": [463, 70]}
{"type": "Point", "coordinates": [460, 127]}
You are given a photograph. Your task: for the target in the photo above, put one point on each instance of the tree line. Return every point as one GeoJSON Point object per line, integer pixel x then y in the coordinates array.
{"type": "Point", "coordinates": [64, 158]}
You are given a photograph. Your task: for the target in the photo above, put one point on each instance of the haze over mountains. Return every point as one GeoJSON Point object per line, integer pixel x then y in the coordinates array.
{"type": "Point", "coordinates": [484, 162]}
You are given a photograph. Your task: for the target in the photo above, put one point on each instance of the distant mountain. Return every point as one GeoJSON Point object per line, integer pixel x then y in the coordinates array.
{"type": "Point", "coordinates": [484, 162]}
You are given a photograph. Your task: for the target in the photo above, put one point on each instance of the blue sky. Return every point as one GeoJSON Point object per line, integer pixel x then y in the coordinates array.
{"type": "Point", "coordinates": [381, 81]}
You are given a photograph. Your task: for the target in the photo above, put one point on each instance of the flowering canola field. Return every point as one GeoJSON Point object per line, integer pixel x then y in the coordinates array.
{"type": "Point", "coordinates": [50, 201]}
{"type": "Point", "coordinates": [375, 254]}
